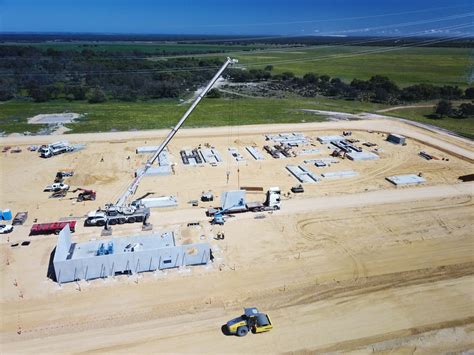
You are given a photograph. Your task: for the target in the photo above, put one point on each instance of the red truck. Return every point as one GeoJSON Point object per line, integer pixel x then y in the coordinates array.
{"type": "Point", "coordinates": [50, 228]}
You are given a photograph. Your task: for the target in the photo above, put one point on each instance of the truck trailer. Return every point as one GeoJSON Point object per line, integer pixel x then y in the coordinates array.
{"type": "Point", "coordinates": [272, 202]}
{"type": "Point", "coordinates": [52, 228]}
{"type": "Point", "coordinates": [47, 151]}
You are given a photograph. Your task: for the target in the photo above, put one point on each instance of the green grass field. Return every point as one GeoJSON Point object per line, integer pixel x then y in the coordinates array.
{"type": "Point", "coordinates": [211, 112]}
{"type": "Point", "coordinates": [463, 126]}
{"type": "Point", "coordinates": [165, 113]}
{"type": "Point", "coordinates": [407, 66]}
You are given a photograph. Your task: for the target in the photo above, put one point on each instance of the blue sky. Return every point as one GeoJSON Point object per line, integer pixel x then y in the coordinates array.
{"type": "Point", "coordinates": [244, 17]}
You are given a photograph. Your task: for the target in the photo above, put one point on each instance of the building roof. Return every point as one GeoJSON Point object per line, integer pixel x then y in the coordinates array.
{"type": "Point", "coordinates": [66, 250]}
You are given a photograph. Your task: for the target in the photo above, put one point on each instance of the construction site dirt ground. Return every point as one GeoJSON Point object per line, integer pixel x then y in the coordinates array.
{"type": "Point", "coordinates": [352, 264]}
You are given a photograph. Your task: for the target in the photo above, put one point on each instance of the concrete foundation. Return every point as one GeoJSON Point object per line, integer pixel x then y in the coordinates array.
{"type": "Point", "coordinates": [255, 153]}
{"type": "Point", "coordinates": [362, 156]}
{"type": "Point", "coordinates": [404, 180]}
{"type": "Point", "coordinates": [339, 174]}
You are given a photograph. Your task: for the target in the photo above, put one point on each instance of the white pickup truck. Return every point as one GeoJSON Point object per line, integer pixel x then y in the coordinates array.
{"type": "Point", "coordinates": [57, 186]}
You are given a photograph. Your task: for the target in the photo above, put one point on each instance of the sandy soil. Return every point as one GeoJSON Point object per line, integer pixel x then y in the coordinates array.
{"type": "Point", "coordinates": [350, 265]}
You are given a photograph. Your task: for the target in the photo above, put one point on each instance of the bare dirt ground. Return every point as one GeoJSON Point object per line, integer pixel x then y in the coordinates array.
{"type": "Point", "coordinates": [354, 265]}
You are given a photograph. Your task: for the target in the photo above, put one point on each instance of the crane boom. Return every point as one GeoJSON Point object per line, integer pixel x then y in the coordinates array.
{"type": "Point", "coordinates": [134, 185]}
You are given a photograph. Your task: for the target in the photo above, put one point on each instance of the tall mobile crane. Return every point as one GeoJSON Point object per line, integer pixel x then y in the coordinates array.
{"type": "Point", "coordinates": [124, 212]}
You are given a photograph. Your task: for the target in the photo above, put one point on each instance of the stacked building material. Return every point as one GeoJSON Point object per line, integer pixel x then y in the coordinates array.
{"type": "Point", "coordinates": [255, 153]}
{"type": "Point", "coordinates": [302, 174]}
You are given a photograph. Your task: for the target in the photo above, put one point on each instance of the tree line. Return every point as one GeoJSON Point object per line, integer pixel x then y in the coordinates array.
{"type": "Point", "coordinates": [48, 74]}
{"type": "Point", "coordinates": [378, 89]}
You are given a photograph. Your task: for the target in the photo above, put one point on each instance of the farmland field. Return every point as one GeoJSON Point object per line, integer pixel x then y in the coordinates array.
{"type": "Point", "coordinates": [405, 66]}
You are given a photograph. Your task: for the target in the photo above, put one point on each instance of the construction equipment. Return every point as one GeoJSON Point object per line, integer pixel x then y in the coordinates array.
{"type": "Point", "coordinates": [207, 196]}
{"type": "Point", "coordinates": [272, 202]}
{"type": "Point", "coordinates": [252, 320]}
{"type": "Point", "coordinates": [85, 195]}
{"type": "Point", "coordinates": [218, 217]}
{"type": "Point", "coordinates": [122, 211]}
{"type": "Point", "coordinates": [58, 189]}
{"type": "Point", "coordinates": [57, 186]}
{"type": "Point", "coordinates": [297, 189]}
{"type": "Point", "coordinates": [47, 151]}
{"type": "Point", "coordinates": [60, 175]}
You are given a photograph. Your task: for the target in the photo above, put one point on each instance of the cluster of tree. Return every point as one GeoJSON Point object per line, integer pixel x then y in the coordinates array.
{"type": "Point", "coordinates": [446, 108]}
{"type": "Point", "coordinates": [378, 88]}
{"type": "Point", "coordinates": [238, 39]}
{"type": "Point", "coordinates": [97, 76]}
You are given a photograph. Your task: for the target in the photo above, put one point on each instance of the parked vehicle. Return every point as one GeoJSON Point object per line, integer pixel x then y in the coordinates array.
{"type": "Point", "coordinates": [57, 186]}
{"type": "Point", "coordinates": [20, 218]}
{"type": "Point", "coordinates": [6, 228]}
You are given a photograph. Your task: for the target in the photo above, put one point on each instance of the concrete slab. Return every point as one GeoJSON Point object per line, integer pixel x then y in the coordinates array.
{"type": "Point", "coordinates": [339, 174]}
{"type": "Point", "coordinates": [302, 174]}
{"type": "Point", "coordinates": [255, 153]}
{"type": "Point", "coordinates": [210, 155]}
{"type": "Point", "coordinates": [403, 180]}
{"type": "Point", "coordinates": [292, 138]}
{"type": "Point", "coordinates": [309, 152]}
{"type": "Point", "coordinates": [160, 202]}
{"type": "Point", "coordinates": [362, 156]}
{"type": "Point", "coordinates": [329, 139]}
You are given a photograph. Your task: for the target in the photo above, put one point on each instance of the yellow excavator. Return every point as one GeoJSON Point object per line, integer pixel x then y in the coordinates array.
{"type": "Point", "coordinates": [252, 320]}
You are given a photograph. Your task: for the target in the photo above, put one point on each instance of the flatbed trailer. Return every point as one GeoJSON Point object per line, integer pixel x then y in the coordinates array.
{"type": "Point", "coordinates": [51, 228]}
